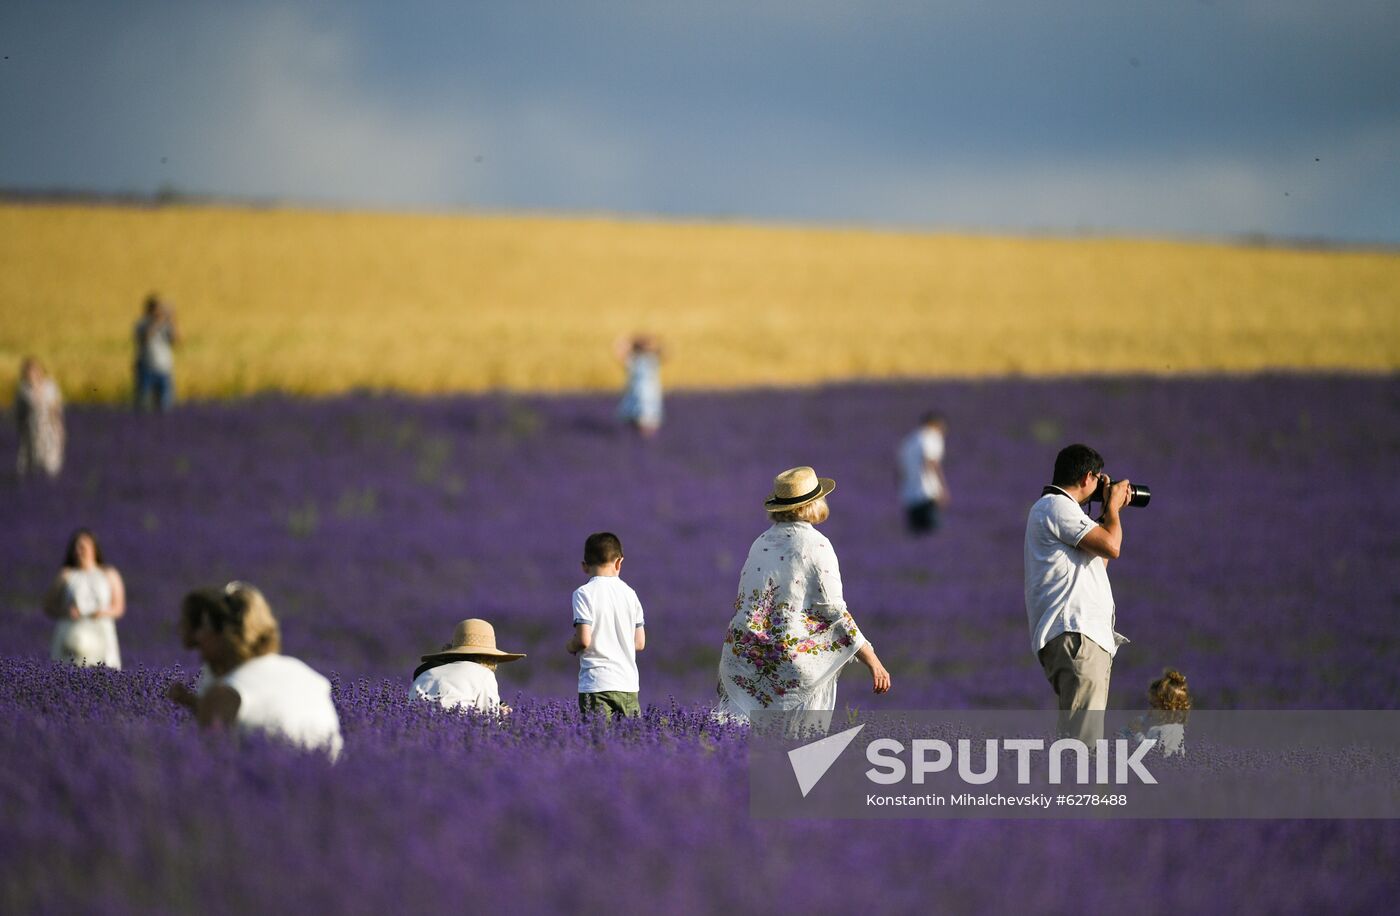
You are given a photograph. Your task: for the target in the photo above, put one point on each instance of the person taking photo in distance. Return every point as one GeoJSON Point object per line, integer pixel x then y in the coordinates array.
{"type": "Point", "coordinates": [156, 338]}
{"type": "Point", "coordinates": [609, 631]}
{"type": "Point", "coordinates": [1069, 603]}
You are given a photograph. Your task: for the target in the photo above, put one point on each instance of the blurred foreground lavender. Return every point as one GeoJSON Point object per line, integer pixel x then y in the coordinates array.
{"type": "Point", "coordinates": [115, 803]}
{"type": "Point", "coordinates": [1264, 569]}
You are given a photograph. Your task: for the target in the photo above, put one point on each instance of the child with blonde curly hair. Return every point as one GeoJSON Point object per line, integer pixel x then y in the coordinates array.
{"type": "Point", "coordinates": [1169, 705]}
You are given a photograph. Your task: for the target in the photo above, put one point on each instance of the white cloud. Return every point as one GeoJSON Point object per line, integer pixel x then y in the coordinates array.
{"type": "Point", "coordinates": [285, 112]}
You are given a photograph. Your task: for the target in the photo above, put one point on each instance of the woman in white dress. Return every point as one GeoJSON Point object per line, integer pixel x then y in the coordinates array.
{"type": "Point", "coordinates": [87, 599]}
{"type": "Point", "coordinates": [791, 633]}
{"type": "Point", "coordinates": [255, 688]}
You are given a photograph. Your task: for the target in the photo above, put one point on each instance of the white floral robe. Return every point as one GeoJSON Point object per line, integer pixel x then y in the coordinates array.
{"type": "Point", "coordinates": [791, 634]}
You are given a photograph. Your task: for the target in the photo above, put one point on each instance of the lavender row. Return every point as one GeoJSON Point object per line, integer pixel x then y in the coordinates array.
{"type": "Point", "coordinates": [1263, 568]}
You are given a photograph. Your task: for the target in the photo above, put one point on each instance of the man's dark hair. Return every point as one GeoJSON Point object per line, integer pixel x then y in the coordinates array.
{"type": "Point", "coordinates": [601, 548]}
{"type": "Point", "coordinates": [933, 416]}
{"type": "Point", "coordinates": [1073, 462]}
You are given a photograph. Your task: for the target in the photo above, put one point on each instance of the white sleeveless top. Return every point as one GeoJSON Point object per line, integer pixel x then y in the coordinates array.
{"type": "Point", "coordinates": [283, 696]}
{"type": "Point", "coordinates": [88, 640]}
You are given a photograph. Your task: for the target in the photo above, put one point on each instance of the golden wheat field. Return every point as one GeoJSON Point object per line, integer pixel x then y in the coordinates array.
{"type": "Point", "coordinates": [321, 302]}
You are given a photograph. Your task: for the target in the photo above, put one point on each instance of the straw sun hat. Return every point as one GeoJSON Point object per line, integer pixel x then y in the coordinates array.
{"type": "Point", "coordinates": [797, 487]}
{"type": "Point", "coordinates": [474, 637]}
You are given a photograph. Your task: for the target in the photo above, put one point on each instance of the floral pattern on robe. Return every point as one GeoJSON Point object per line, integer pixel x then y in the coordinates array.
{"type": "Point", "coordinates": [791, 633]}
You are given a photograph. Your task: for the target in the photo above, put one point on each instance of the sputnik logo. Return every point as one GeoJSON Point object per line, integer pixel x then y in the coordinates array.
{"type": "Point", "coordinates": [811, 761]}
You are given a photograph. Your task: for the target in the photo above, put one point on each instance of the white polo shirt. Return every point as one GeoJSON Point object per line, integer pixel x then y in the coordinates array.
{"type": "Point", "coordinates": [1067, 588]}
{"type": "Point", "coordinates": [612, 609]}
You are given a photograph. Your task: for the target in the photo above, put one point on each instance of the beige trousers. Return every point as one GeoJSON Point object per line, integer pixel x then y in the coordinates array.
{"type": "Point", "coordinates": [1079, 670]}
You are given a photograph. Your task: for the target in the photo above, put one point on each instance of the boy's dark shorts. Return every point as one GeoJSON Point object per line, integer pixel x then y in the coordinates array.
{"type": "Point", "coordinates": [610, 702]}
{"type": "Point", "coordinates": [923, 517]}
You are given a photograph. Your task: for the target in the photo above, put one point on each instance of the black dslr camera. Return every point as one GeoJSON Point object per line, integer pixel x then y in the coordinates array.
{"type": "Point", "coordinates": [1139, 494]}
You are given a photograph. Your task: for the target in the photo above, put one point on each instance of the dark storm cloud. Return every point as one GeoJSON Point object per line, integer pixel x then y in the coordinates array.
{"type": "Point", "coordinates": [1151, 117]}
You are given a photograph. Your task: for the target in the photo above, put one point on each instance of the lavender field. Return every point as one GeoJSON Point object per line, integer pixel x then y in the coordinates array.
{"type": "Point", "coordinates": [1264, 569]}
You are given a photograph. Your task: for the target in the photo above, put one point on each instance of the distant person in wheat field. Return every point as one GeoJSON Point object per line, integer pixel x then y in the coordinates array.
{"type": "Point", "coordinates": [86, 600]}
{"type": "Point", "coordinates": [641, 398]}
{"type": "Point", "coordinates": [156, 338]}
{"type": "Point", "coordinates": [791, 633]}
{"type": "Point", "coordinates": [39, 416]}
{"type": "Point", "coordinates": [923, 489]}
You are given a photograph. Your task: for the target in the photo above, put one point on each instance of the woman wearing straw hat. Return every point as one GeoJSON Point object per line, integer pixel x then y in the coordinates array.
{"type": "Point", "coordinates": [791, 633]}
{"type": "Point", "coordinates": [463, 673]}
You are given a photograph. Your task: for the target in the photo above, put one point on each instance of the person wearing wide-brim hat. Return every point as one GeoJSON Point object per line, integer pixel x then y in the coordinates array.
{"type": "Point", "coordinates": [463, 672]}
{"type": "Point", "coordinates": [791, 634]}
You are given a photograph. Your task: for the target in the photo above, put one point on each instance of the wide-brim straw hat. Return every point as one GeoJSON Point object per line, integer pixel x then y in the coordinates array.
{"type": "Point", "coordinates": [797, 487]}
{"type": "Point", "coordinates": [474, 637]}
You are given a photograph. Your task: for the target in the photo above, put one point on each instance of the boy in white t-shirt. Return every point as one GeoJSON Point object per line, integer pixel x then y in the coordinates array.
{"type": "Point", "coordinates": [609, 631]}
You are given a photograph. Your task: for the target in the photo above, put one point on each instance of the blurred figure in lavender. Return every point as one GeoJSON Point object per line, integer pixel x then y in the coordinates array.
{"type": "Point", "coordinates": [609, 631]}
{"type": "Point", "coordinates": [641, 398]}
{"type": "Point", "coordinates": [923, 489]}
{"type": "Point", "coordinates": [39, 415]}
{"type": "Point", "coordinates": [156, 338]}
{"type": "Point", "coordinates": [1069, 603]}
{"type": "Point", "coordinates": [463, 672]}
{"type": "Point", "coordinates": [180, 693]}
{"type": "Point", "coordinates": [791, 634]}
{"type": "Point", "coordinates": [1168, 707]}
{"type": "Point", "coordinates": [255, 688]}
{"type": "Point", "coordinates": [87, 600]}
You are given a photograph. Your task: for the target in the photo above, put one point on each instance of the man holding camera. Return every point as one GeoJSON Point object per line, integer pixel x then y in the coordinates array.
{"type": "Point", "coordinates": [1068, 599]}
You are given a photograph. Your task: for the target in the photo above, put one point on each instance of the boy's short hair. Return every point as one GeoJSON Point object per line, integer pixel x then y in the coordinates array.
{"type": "Point", "coordinates": [1073, 462]}
{"type": "Point", "coordinates": [601, 548]}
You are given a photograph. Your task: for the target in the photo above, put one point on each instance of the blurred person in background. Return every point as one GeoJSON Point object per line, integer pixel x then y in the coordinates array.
{"type": "Point", "coordinates": [156, 338]}
{"type": "Point", "coordinates": [1069, 602]}
{"type": "Point", "coordinates": [641, 397]}
{"type": "Point", "coordinates": [39, 416]}
{"type": "Point", "coordinates": [791, 633]}
{"type": "Point", "coordinates": [188, 624]}
{"type": "Point", "coordinates": [923, 489]}
{"type": "Point", "coordinates": [87, 600]}
{"type": "Point", "coordinates": [255, 688]}
{"type": "Point", "coordinates": [463, 672]}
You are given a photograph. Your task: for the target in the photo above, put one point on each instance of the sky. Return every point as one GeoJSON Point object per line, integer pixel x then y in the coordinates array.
{"type": "Point", "coordinates": [1181, 118]}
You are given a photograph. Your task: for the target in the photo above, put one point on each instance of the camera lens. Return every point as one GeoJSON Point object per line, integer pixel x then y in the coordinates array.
{"type": "Point", "coordinates": [1139, 494]}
